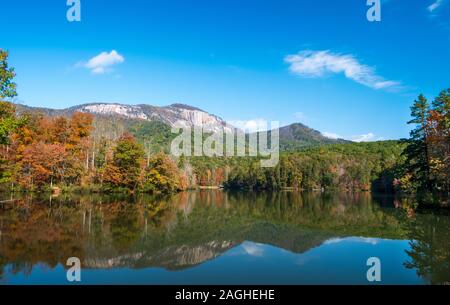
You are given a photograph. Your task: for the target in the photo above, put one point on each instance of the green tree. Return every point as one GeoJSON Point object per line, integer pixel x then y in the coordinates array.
{"type": "Point", "coordinates": [441, 104]}
{"type": "Point", "coordinates": [8, 120]}
{"type": "Point", "coordinates": [7, 74]}
{"type": "Point", "coordinates": [163, 175]}
{"type": "Point", "coordinates": [125, 170]}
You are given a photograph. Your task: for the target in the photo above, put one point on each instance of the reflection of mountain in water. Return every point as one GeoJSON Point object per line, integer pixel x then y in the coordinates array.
{"type": "Point", "coordinates": [185, 256]}
{"type": "Point", "coordinates": [171, 258]}
{"type": "Point", "coordinates": [184, 230]}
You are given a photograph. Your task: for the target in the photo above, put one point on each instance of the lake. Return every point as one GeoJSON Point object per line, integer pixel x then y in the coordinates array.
{"type": "Point", "coordinates": [219, 237]}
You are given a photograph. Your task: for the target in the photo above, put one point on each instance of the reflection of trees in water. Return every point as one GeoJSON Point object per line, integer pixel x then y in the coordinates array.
{"type": "Point", "coordinates": [339, 213]}
{"type": "Point", "coordinates": [33, 234]}
{"type": "Point", "coordinates": [37, 230]}
{"type": "Point", "coordinates": [147, 231]}
{"type": "Point", "coordinates": [125, 226]}
{"type": "Point", "coordinates": [430, 247]}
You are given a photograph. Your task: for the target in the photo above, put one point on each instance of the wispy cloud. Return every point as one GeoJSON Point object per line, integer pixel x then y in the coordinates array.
{"type": "Point", "coordinates": [103, 62]}
{"type": "Point", "coordinates": [368, 137]}
{"type": "Point", "coordinates": [438, 13]}
{"type": "Point", "coordinates": [435, 5]}
{"type": "Point", "coordinates": [315, 64]}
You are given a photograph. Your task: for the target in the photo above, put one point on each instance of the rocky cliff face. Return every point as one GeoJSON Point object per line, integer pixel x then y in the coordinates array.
{"type": "Point", "coordinates": [176, 114]}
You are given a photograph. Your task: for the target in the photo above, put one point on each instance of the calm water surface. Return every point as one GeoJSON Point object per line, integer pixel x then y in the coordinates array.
{"type": "Point", "coordinates": [217, 237]}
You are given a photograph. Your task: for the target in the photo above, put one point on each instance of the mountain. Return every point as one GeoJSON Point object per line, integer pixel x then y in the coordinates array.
{"type": "Point", "coordinates": [152, 123]}
{"type": "Point", "coordinates": [173, 114]}
{"type": "Point", "coordinates": [297, 136]}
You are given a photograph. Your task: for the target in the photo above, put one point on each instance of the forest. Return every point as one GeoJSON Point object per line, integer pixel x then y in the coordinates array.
{"type": "Point", "coordinates": [40, 152]}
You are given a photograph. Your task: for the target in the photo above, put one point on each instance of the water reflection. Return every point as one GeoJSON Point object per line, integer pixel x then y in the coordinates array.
{"type": "Point", "coordinates": [311, 238]}
{"type": "Point", "coordinates": [430, 247]}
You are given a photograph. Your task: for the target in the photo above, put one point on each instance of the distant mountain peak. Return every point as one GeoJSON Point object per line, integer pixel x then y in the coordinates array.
{"type": "Point", "coordinates": [298, 135]}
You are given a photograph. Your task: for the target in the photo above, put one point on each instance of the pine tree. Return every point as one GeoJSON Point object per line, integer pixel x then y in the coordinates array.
{"type": "Point", "coordinates": [417, 152]}
{"type": "Point", "coordinates": [441, 104]}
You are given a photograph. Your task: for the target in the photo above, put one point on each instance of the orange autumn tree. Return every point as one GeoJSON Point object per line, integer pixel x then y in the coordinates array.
{"type": "Point", "coordinates": [438, 129]}
{"type": "Point", "coordinates": [44, 164]}
{"type": "Point", "coordinates": [49, 150]}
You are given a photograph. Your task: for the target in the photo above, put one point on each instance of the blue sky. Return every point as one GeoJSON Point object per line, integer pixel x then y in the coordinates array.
{"type": "Point", "coordinates": [318, 62]}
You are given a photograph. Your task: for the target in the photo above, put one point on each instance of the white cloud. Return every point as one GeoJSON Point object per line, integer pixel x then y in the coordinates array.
{"type": "Point", "coordinates": [363, 138]}
{"type": "Point", "coordinates": [368, 137]}
{"type": "Point", "coordinates": [103, 62]}
{"type": "Point", "coordinates": [316, 64]}
{"type": "Point", "coordinates": [253, 249]}
{"type": "Point", "coordinates": [435, 5]}
{"type": "Point", "coordinates": [331, 135]}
